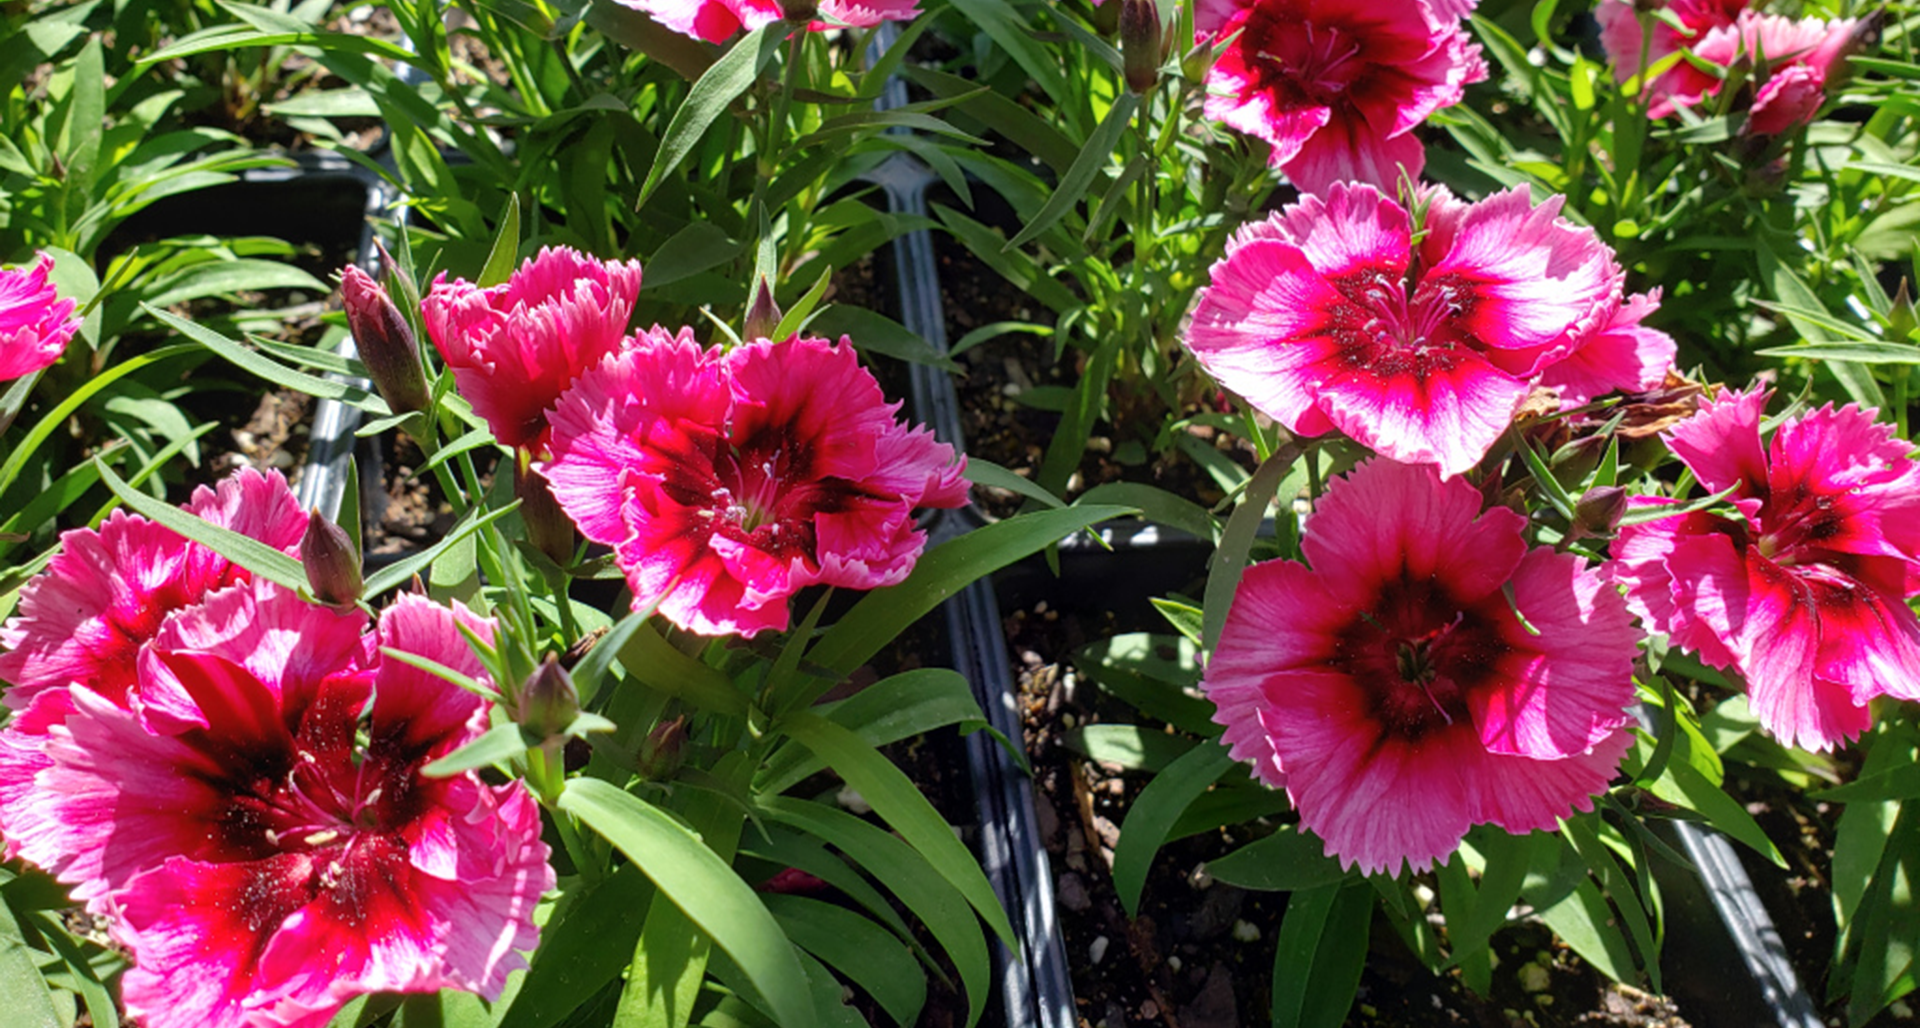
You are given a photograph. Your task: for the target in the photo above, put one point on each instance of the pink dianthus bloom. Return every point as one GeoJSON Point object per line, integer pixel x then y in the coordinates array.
{"type": "Point", "coordinates": [717, 20]}
{"type": "Point", "coordinates": [264, 839]}
{"type": "Point", "coordinates": [36, 322]}
{"type": "Point", "coordinates": [1336, 86]}
{"type": "Point", "coordinates": [1326, 316]}
{"type": "Point", "coordinates": [1794, 56]}
{"type": "Point", "coordinates": [1394, 693]}
{"type": "Point", "coordinates": [1804, 592]}
{"type": "Point", "coordinates": [727, 481]}
{"type": "Point", "coordinates": [514, 348]}
{"type": "Point", "coordinates": [107, 593]}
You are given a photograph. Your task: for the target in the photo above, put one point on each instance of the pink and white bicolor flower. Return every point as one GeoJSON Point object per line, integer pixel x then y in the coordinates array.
{"type": "Point", "coordinates": [1804, 591]}
{"type": "Point", "coordinates": [728, 481]}
{"type": "Point", "coordinates": [1337, 87]}
{"type": "Point", "coordinates": [261, 834]}
{"type": "Point", "coordinates": [1394, 692]}
{"type": "Point", "coordinates": [716, 21]}
{"type": "Point", "coordinates": [515, 347]}
{"type": "Point", "coordinates": [1327, 316]}
{"type": "Point", "coordinates": [102, 598]}
{"type": "Point", "coordinates": [36, 322]}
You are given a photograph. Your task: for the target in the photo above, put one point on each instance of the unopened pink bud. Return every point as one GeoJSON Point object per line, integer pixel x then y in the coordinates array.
{"type": "Point", "coordinates": [385, 342]}
{"type": "Point", "coordinates": [331, 563]}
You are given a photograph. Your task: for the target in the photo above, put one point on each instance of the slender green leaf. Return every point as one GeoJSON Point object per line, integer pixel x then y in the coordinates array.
{"type": "Point", "coordinates": [908, 876]}
{"type": "Point", "coordinates": [498, 745]}
{"type": "Point", "coordinates": [1289, 860]}
{"type": "Point", "coordinates": [272, 370]}
{"type": "Point", "coordinates": [703, 887]}
{"type": "Point", "coordinates": [23, 992]}
{"type": "Point", "coordinates": [881, 615]}
{"type": "Point", "coordinates": [717, 88]}
{"type": "Point", "coordinates": [506, 247]}
{"type": "Point", "coordinates": [863, 951]}
{"type": "Point", "coordinates": [1155, 810]}
{"type": "Point", "coordinates": [1318, 957]}
{"type": "Point", "coordinates": [1079, 178]}
{"type": "Point", "coordinates": [900, 804]}
{"type": "Point", "coordinates": [400, 572]}
{"type": "Point", "coordinates": [1229, 561]}
{"type": "Point", "coordinates": [887, 711]}
{"type": "Point", "coordinates": [873, 332]}
{"type": "Point", "coordinates": [582, 948]}
{"type": "Point", "coordinates": [993, 476]}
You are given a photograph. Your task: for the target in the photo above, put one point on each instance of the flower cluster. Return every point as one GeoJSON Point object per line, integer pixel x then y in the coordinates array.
{"type": "Point", "coordinates": [233, 777]}
{"type": "Point", "coordinates": [724, 481]}
{"type": "Point", "coordinates": [1337, 87]}
{"type": "Point", "coordinates": [1329, 315]}
{"type": "Point", "coordinates": [727, 481]}
{"type": "Point", "coordinates": [717, 20]}
{"type": "Point", "coordinates": [36, 322]}
{"type": "Point", "coordinates": [1789, 59]}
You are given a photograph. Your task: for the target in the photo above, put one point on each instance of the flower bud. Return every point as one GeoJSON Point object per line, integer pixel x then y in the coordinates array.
{"type": "Point", "coordinates": [663, 749]}
{"type": "Point", "coordinates": [386, 344]}
{"type": "Point", "coordinates": [763, 315]}
{"type": "Point", "coordinates": [1597, 511]}
{"type": "Point", "coordinates": [332, 566]}
{"type": "Point", "coordinates": [1900, 316]}
{"type": "Point", "coordinates": [548, 527]}
{"type": "Point", "coordinates": [548, 702]}
{"type": "Point", "coordinates": [1140, 31]}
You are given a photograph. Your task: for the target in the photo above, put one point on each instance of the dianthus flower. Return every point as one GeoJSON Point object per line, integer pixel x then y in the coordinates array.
{"type": "Point", "coordinates": [1795, 56]}
{"type": "Point", "coordinates": [36, 322]}
{"type": "Point", "coordinates": [261, 835]}
{"type": "Point", "coordinates": [717, 20]}
{"type": "Point", "coordinates": [1394, 692]}
{"type": "Point", "coordinates": [514, 348]}
{"type": "Point", "coordinates": [1327, 316]}
{"type": "Point", "coordinates": [1336, 86]}
{"type": "Point", "coordinates": [102, 598]}
{"type": "Point", "coordinates": [727, 481]}
{"type": "Point", "coordinates": [1804, 590]}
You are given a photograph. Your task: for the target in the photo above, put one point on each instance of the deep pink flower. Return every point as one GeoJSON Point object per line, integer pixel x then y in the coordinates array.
{"type": "Point", "coordinates": [717, 20]}
{"type": "Point", "coordinates": [1392, 691]}
{"type": "Point", "coordinates": [1325, 317]}
{"type": "Point", "coordinates": [1336, 86]}
{"type": "Point", "coordinates": [728, 481]}
{"type": "Point", "coordinates": [1791, 83]}
{"type": "Point", "coordinates": [106, 593]}
{"type": "Point", "coordinates": [264, 840]}
{"type": "Point", "coordinates": [515, 348]}
{"type": "Point", "coordinates": [36, 322]}
{"type": "Point", "coordinates": [1804, 592]}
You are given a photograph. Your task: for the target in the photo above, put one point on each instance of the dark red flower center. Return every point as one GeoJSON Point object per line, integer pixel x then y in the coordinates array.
{"type": "Point", "coordinates": [1417, 653]}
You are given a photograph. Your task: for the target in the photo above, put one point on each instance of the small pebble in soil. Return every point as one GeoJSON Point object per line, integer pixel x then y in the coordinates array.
{"type": "Point", "coordinates": [1072, 892]}
{"type": "Point", "coordinates": [1245, 931]}
{"type": "Point", "coordinates": [1174, 963]}
{"type": "Point", "coordinates": [854, 803]}
{"type": "Point", "coordinates": [1199, 879]}
{"type": "Point", "coordinates": [1097, 950]}
{"type": "Point", "coordinates": [1534, 978]}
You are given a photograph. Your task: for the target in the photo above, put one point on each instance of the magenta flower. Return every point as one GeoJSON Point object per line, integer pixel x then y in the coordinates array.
{"type": "Point", "coordinates": [36, 323]}
{"type": "Point", "coordinates": [1804, 592]}
{"type": "Point", "coordinates": [107, 592]}
{"type": "Point", "coordinates": [1797, 53]}
{"type": "Point", "coordinates": [1392, 690]}
{"type": "Point", "coordinates": [1325, 317]}
{"type": "Point", "coordinates": [515, 348]}
{"type": "Point", "coordinates": [727, 481]}
{"type": "Point", "coordinates": [263, 838]}
{"type": "Point", "coordinates": [717, 20]}
{"type": "Point", "coordinates": [1336, 86]}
